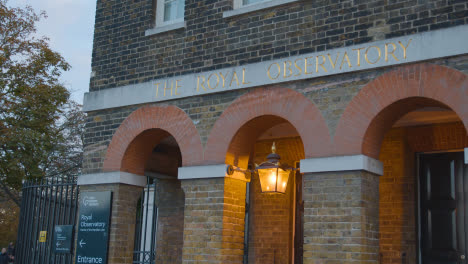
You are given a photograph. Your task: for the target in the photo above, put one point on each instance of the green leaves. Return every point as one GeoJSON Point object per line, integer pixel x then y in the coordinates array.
{"type": "Point", "coordinates": [40, 128]}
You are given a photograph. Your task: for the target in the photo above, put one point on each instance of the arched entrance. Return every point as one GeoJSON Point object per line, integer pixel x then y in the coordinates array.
{"type": "Point", "coordinates": [275, 101]}
{"type": "Point", "coordinates": [421, 197]}
{"type": "Point", "coordinates": [414, 120]}
{"type": "Point", "coordinates": [154, 142]}
{"type": "Point", "coordinates": [124, 150]}
{"type": "Point", "coordinates": [243, 137]}
{"type": "Point", "coordinates": [270, 228]}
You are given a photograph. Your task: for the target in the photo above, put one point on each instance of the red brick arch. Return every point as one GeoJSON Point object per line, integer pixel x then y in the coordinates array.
{"type": "Point", "coordinates": [271, 102]}
{"type": "Point", "coordinates": [143, 129]}
{"type": "Point", "coordinates": [383, 101]}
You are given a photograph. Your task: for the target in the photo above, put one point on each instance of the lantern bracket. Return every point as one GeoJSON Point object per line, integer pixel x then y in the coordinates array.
{"type": "Point", "coordinates": [231, 169]}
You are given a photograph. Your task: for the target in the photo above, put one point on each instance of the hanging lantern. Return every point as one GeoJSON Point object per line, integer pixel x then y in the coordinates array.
{"type": "Point", "coordinates": [273, 176]}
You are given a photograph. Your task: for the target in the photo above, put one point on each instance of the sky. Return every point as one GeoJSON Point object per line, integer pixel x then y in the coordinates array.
{"type": "Point", "coordinates": [69, 26]}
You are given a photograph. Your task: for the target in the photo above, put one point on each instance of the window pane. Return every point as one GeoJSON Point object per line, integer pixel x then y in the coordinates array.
{"type": "Point", "coordinates": [180, 8]}
{"type": "Point", "coordinates": [248, 2]}
{"type": "Point", "coordinates": [173, 9]}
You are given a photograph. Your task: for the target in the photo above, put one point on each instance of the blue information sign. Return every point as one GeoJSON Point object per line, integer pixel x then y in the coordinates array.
{"type": "Point", "coordinates": [93, 227]}
{"type": "Point", "coordinates": [63, 237]}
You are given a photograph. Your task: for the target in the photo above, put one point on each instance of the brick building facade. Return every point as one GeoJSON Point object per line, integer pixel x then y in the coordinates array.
{"type": "Point", "coordinates": [359, 94]}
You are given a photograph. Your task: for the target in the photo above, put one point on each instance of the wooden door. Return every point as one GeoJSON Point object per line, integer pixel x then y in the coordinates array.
{"type": "Point", "coordinates": [443, 181]}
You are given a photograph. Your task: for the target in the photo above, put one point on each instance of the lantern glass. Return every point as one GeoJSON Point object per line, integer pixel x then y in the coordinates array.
{"type": "Point", "coordinates": [273, 180]}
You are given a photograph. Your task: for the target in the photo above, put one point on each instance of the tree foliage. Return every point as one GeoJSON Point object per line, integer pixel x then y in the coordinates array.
{"type": "Point", "coordinates": [9, 215]}
{"type": "Point", "coordinates": [40, 128]}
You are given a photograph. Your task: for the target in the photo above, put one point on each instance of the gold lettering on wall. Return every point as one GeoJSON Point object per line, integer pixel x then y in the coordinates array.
{"type": "Point", "coordinates": [200, 84]}
{"type": "Point", "coordinates": [177, 86]}
{"type": "Point", "coordinates": [209, 83]}
{"type": "Point", "coordinates": [269, 71]}
{"type": "Point", "coordinates": [404, 47]}
{"type": "Point", "coordinates": [387, 52]}
{"type": "Point", "coordinates": [234, 75]}
{"type": "Point", "coordinates": [287, 69]}
{"type": "Point", "coordinates": [215, 80]}
{"type": "Point", "coordinates": [298, 67]}
{"type": "Point", "coordinates": [358, 56]}
{"type": "Point", "coordinates": [167, 88]}
{"type": "Point", "coordinates": [157, 89]}
{"type": "Point", "coordinates": [378, 51]}
{"type": "Point", "coordinates": [307, 64]}
{"type": "Point", "coordinates": [345, 57]}
{"type": "Point", "coordinates": [223, 78]}
{"type": "Point", "coordinates": [243, 77]}
{"type": "Point", "coordinates": [317, 64]}
{"type": "Point", "coordinates": [333, 63]}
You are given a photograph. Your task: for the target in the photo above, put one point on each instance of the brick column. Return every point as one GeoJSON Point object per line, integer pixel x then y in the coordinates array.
{"type": "Point", "coordinates": [126, 189]}
{"type": "Point", "coordinates": [169, 239]}
{"type": "Point", "coordinates": [341, 210]}
{"type": "Point", "coordinates": [213, 219]}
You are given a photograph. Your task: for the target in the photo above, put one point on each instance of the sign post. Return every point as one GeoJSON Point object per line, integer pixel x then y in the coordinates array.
{"type": "Point", "coordinates": [63, 237]}
{"type": "Point", "coordinates": [93, 227]}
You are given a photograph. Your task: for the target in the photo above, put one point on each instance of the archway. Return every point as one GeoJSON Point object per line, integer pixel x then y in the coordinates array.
{"type": "Point", "coordinates": [154, 142]}
{"type": "Point", "coordinates": [125, 153]}
{"type": "Point", "coordinates": [274, 101]}
{"type": "Point", "coordinates": [243, 136]}
{"type": "Point", "coordinates": [273, 227]}
{"type": "Point", "coordinates": [402, 118]}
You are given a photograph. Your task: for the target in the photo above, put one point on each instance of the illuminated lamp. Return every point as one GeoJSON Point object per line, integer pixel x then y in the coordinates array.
{"type": "Point", "coordinates": [273, 175]}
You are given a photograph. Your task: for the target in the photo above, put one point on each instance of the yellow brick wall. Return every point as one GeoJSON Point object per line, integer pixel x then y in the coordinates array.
{"type": "Point", "coordinates": [398, 185]}
{"type": "Point", "coordinates": [397, 200]}
{"type": "Point", "coordinates": [272, 222]}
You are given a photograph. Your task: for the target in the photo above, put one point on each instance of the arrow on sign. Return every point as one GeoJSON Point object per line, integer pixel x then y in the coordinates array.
{"type": "Point", "coordinates": [58, 244]}
{"type": "Point", "coordinates": [82, 243]}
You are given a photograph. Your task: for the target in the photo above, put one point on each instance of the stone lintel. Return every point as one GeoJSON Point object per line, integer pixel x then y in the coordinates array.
{"type": "Point", "coordinates": [342, 163]}
{"type": "Point", "coordinates": [418, 47]}
{"type": "Point", "coordinates": [254, 7]}
{"type": "Point", "coordinates": [112, 178]}
{"type": "Point", "coordinates": [209, 171]}
{"type": "Point", "coordinates": [166, 28]}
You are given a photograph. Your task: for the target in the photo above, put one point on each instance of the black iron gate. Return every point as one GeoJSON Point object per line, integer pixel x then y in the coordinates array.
{"type": "Point", "coordinates": [45, 204]}
{"type": "Point", "coordinates": [146, 226]}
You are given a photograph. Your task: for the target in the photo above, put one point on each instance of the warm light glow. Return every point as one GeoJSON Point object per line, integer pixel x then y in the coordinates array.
{"type": "Point", "coordinates": [272, 178]}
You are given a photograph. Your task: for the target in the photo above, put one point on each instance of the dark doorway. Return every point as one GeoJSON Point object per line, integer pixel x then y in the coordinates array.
{"type": "Point", "coordinates": [443, 188]}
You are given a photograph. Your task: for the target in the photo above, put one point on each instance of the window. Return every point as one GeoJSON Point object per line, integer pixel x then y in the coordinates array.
{"type": "Point", "coordinates": [169, 12]}
{"type": "Point", "coordinates": [249, 2]}
{"type": "Point", "coordinates": [169, 16]}
{"type": "Point", "coordinates": [243, 3]}
{"type": "Point", "coordinates": [246, 6]}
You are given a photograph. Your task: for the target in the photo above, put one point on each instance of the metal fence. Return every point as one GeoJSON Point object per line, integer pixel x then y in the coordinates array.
{"type": "Point", "coordinates": [44, 204]}
{"type": "Point", "coordinates": [146, 226]}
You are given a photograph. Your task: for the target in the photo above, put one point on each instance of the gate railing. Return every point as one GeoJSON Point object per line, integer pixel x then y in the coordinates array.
{"type": "Point", "coordinates": [146, 226]}
{"type": "Point", "coordinates": [44, 204]}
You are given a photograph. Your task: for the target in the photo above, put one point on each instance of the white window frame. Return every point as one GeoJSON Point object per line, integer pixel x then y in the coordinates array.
{"type": "Point", "coordinates": [239, 8]}
{"type": "Point", "coordinates": [240, 3]}
{"type": "Point", "coordinates": [160, 15]}
{"type": "Point", "coordinates": [164, 26]}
